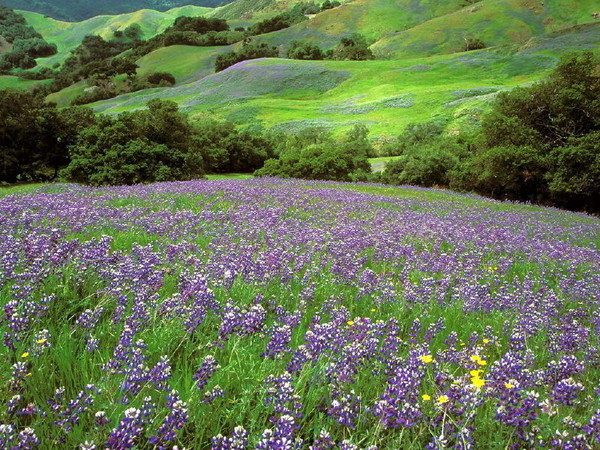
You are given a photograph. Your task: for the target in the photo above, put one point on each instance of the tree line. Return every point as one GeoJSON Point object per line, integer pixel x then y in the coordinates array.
{"type": "Point", "coordinates": [537, 144]}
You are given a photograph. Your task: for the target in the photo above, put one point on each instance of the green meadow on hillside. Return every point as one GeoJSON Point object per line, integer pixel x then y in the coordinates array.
{"type": "Point", "coordinates": [385, 95]}
{"type": "Point", "coordinates": [421, 77]}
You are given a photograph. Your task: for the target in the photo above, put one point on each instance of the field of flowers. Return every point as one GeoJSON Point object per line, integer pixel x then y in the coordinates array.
{"type": "Point", "coordinates": [275, 314]}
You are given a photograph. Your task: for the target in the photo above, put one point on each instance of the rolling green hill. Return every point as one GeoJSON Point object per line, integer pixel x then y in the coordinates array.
{"type": "Point", "coordinates": [68, 35]}
{"type": "Point", "coordinates": [495, 22]}
{"type": "Point", "coordinates": [385, 95]}
{"type": "Point", "coordinates": [420, 73]}
{"type": "Point", "coordinates": [76, 10]}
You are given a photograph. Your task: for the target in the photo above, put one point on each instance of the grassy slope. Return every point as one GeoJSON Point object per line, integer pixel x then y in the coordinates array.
{"type": "Point", "coordinates": [12, 82]}
{"type": "Point", "coordinates": [385, 95]}
{"type": "Point", "coordinates": [68, 35]}
{"type": "Point", "coordinates": [185, 62]}
{"type": "Point", "coordinates": [372, 18]}
{"type": "Point", "coordinates": [494, 21]}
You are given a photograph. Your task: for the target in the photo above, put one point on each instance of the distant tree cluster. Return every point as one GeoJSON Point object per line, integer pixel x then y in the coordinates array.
{"type": "Point", "coordinates": [39, 142]}
{"type": "Point", "coordinates": [352, 48]}
{"type": "Point", "coordinates": [27, 44]}
{"type": "Point", "coordinates": [248, 51]}
{"type": "Point", "coordinates": [314, 155]}
{"type": "Point", "coordinates": [539, 143]}
{"type": "Point", "coordinates": [327, 4]}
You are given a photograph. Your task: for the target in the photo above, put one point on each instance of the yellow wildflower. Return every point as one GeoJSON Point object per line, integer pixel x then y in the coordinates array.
{"type": "Point", "coordinates": [477, 382]}
{"type": "Point", "coordinates": [509, 386]}
{"type": "Point", "coordinates": [25, 355]}
{"type": "Point", "coordinates": [442, 399]}
{"type": "Point", "coordinates": [486, 341]}
{"type": "Point", "coordinates": [475, 373]}
{"type": "Point", "coordinates": [42, 341]}
{"type": "Point", "coordinates": [28, 374]}
{"type": "Point", "coordinates": [482, 362]}
{"type": "Point", "coordinates": [475, 358]}
{"type": "Point", "coordinates": [350, 322]}
{"type": "Point", "coordinates": [373, 310]}
{"type": "Point", "coordinates": [426, 397]}
{"type": "Point", "coordinates": [426, 358]}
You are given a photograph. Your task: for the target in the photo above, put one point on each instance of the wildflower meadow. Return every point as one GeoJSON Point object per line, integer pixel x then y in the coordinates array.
{"type": "Point", "coordinates": [272, 314]}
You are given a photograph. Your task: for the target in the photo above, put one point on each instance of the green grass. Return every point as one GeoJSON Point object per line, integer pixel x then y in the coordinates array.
{"type": "Point", "coordinates": [384, 95]}
{"type": "Point", "coordinates": [185, 62]}
{"type": "Point", "coordinates": [229, 176]}
{"type": "Point", "coordinates": [13, 82]}
{"type": "Point", "coordinates": [495, 22]}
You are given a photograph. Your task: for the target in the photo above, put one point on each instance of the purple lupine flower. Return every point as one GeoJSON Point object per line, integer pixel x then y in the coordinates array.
{"type": "Point", "coordinates": [280, 394]}
{"type": "Point", "coordinates": [323, 442]}
{"type": "Point", "coordinates": [160, 374]}
{"type": "Point", "coordinates": [237, 441]}
{"type": "Point", "coordinates": [131, 427]}
{"type": "Point", "coordinates": [215, 393]}
{"type": "Point", "coordinates": [173, 422]}
{"type": "Point", "coordinates": [26, 439]}
{"type": "Point", "coordinates": [565, 392]}
{"type": "Point", "coordinates": [280, 339]}
{"type": "Point", "coordinates": [207, 369]}
{"type": "Point", "coordinates": [69, 415]}
{"type": "Point", "coordinates": [345, 408]}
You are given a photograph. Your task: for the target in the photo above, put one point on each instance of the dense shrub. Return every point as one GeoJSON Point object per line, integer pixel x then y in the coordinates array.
{"type": "Point", "coordinates": [284, 20]}
{"type": "Point", "coordinates": [161, 79]}
{"type": "Point", "coordinates": [200, 25]}
{"type": "Point", "coordinates": [155, 144]}
{"type": "Point", "coordinates": [34, 136]}
{"type": "Point", "coordinates": [247, 51]}
{"type": "Point", "coordinates": [473, 44]}
{"type": "Point", "coordinates": [305, 50]}
{"type": "Point", "coordinates": [330, 4]}
{"type": "Point", "coordinates": [353, 48]}
{"type": "Point", "coordinates": [314, 155]}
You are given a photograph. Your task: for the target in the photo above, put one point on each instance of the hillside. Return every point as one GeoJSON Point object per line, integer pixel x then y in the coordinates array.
{"type": "Point", "coordinates": [68, 35]}
{"type": "Point", "coordinates": [420, 73]}
{"type": "Point", "coordinates": [384, 95]}
{"type": "Point", "coordinates": [76, 10]}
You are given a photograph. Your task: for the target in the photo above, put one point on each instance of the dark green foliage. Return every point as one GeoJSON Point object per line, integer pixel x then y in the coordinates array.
{"type": "Point", "coordinates": [225, 149]}
{"type": "Point", "coordinates": [27, 43]}
{"type": "Point", "coordinates": [248, 51]}
{"type": "Point", "coordinates": [415, 134]}
{"type": "Point", "coordinates": [330, 4]}
{"type": "Point", "coordinates": [161, 79]}
{"type": "Point", "coordinates": [422, 166]}
{"type": "Point", "coordinates": [34, 137]}
{"type": "Point", "coordinates": [144, 146]}
{"type": "Point", "coordinates": [538, 144]}
{"type": "Point", "coordinates": [547, 114]}
{"type": "Point", "coordinates": [353, 48]}
{"type": "Point", "coordinates": [284, 20]}
{"type": "Point", "coordinates": [473, 44]}
{"type": "Point", "coordinates": [305, 50]}
{"type": "Point", "coordinates": [198, 25]}
{"type": "Point", "coordinates": [314, 155]}
{"type": "Point", "coordinates": [574, 172]}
